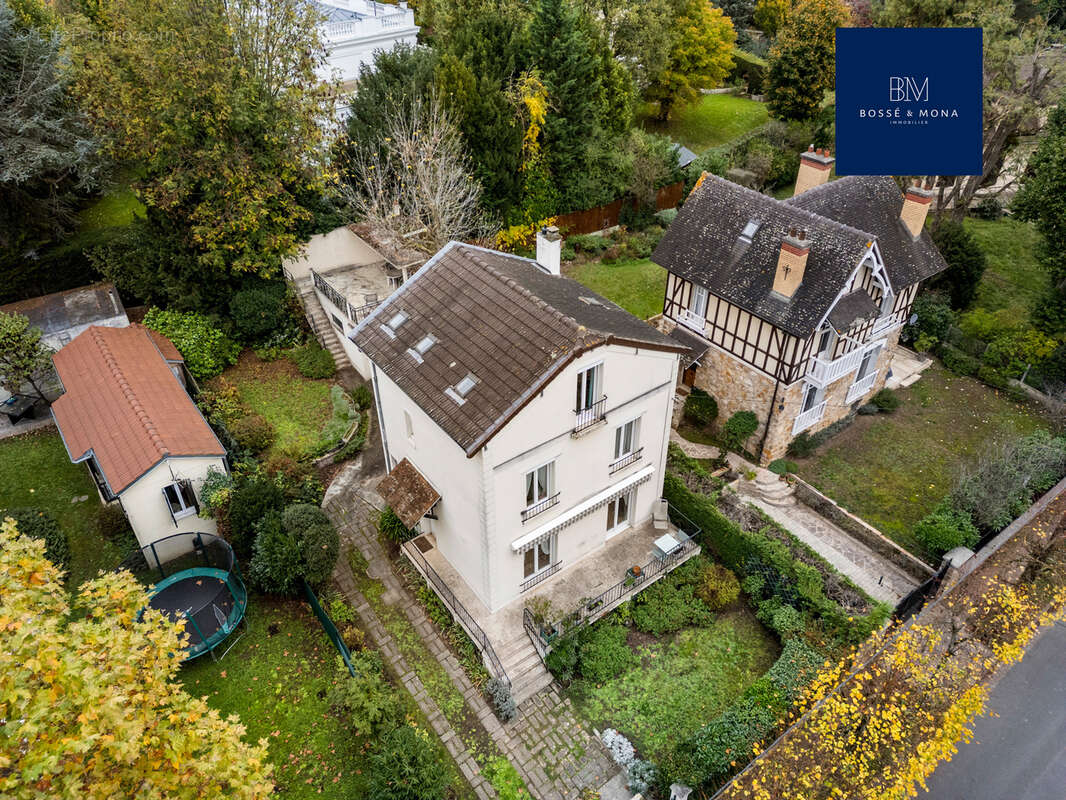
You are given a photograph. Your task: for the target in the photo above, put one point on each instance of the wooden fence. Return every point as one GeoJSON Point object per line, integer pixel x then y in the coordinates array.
{"type": "Point", "coordinates": [597, 219]}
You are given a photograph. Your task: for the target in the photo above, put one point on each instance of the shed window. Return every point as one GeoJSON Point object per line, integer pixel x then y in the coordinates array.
{"type": "Point", "coordinates": [181, 500]}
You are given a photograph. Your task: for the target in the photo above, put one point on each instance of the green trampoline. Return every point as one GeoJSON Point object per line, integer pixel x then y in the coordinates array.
{"type": "Point", "coordinates": [200, 583]}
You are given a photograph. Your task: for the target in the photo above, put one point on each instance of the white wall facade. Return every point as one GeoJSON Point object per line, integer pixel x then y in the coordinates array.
{"type": "Point", "coordinates": [351, 43]}
{"type": "Point", "coordinates": [482, 498]}
{"type": "Point", "coordinates": [336, 315]}
{"type": "Point", "coordinates": [147, 509]}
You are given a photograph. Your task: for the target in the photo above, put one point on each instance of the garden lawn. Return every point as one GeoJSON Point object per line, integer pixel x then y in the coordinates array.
{"type": "Point", "coordinates": [35, 470]}
{"type": "Point", "coordinates": [1013, 280]}
{"type": "Point", "coordinates": [713, 120]}
{"type": "Point", "coordinates": [681, 683]}
{"type": "Point", "coordinates": [296, 406]}
{"type": "Point", "coordinates": [637, 286]}
{"type": "Point", "coordinates": [892, 469]}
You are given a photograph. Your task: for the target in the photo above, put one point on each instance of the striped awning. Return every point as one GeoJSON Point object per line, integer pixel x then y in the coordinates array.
{"type": "Point", "coordinates": [581, 510]}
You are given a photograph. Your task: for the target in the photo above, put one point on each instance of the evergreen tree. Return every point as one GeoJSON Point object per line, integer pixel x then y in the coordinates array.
{"type": "Point", "coordinates": [966, 262]}
{"type": "Point", "coordinates": [802, 60]}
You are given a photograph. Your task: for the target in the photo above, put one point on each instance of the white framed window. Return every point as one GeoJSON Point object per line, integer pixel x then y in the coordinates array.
{"type": "Point", "coordinates": [697, 304]}
{"type": "Point", "coordinates": [589, 385]}
{"type": "Point", "coordinates": [540, 484]}
{"type": "Point", "coordinates": [395, 281]}
{"type": "Point", "coordinates": [825, 342]}
{"type": "Point", "coordinates": [620, 512]}
{"type": "Point", "coordinates": [408, 427]}
{"type": "Point", "coordinates": [869, 360]}
{"type": "Point", "coordinates": [626, 438]}
{"type": "Point", "coordinates": [810, 397]}
{"type": "Point", "coordinates": [180, 499]}
{"type": "Point", "coordinates": [539, 558]}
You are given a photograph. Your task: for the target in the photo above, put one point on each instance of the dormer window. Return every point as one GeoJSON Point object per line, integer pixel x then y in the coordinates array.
{"type": "Point", "coordinates": [394, 323]}
{"type": "Point", "coordinates": [750, 230]}
{"type": "Point", "coordinates": [420, 349]}
{"type": "Point", "coordinates": [459, 392]}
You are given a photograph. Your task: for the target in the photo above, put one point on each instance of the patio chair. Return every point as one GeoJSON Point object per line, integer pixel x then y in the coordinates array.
{"type": "Point", "coordinates": [660, 517]}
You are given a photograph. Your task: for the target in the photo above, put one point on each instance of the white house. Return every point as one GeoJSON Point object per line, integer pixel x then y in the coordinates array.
{"type": "Point", "coordinates": [354, 29]}
{"type": "Point", "coordinates": [525, 422]}
{"type": "Point", "coordinates": [126, 414]}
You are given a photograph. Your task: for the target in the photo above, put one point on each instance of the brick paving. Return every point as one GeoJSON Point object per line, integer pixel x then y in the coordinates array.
{"type": "Point", "coordinates": [553, 751]}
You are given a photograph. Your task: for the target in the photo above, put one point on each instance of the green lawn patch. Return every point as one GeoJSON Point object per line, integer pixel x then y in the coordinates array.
{"type": "Point", "coordinates": [115, 209]}
{"type": "Point", "coordinates": [680, 683]}
{"type": "Point", "coordinates": [1013, 280]}
{"type": "Point", "coordinates": [892, 469]}
{"type": "Point", "coordinates": [713, 120]}
{"type": "Point", "coordinates": [35, 470]}
{"type": "Point", "coordinates": [296, 406]}
{"type": "Point", "coordinates": [637, 286]}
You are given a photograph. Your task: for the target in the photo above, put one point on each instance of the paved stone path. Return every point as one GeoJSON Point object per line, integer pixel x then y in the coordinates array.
{"type": "Point", "coordinates": [553, 752]}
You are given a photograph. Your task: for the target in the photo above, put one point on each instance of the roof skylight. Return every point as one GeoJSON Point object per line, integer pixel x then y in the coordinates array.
{"type": "Point", "coordinates": [459, 392]}
{"type": "Point", "coordinates": [395, 321]}
{"type": "Point", "coordinates": [750, 230]}
{"type": "Point", "coordinates": [422, 347]}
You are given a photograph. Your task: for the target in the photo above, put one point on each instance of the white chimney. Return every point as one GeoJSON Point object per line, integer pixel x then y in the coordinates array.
{"type": "Point", "coordinates": [549, 249]}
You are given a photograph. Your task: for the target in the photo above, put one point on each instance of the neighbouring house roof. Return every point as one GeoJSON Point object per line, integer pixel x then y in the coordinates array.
{"type": "Point", "coordinates": [408, 493]}
{"type": "Point", "coordinates": [851, 308]}
{"type": "Point", "coordinates": [704, 245]}
{"type": "Point", "coordinates": [334, 13]}
{"type": "Point", "coordinates": [324, 253]}
{"type": "Point", "coordinates": [694, 345]}
{"type": "Point", "coordinates": [873, 203]}
{"type": "Point", "coordinates": [61, 311]}
{"type": "Point", "coordinates": [395, 250]}
{"type": "Point", "coordinates": [502, 319]}
{"type": "Point", "coordinates": [124, 406]}
{"type": "Point", "coordinates": [684, 155]}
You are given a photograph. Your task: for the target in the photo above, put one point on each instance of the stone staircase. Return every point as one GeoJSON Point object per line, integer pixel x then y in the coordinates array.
{"type": "Point", "coordinates": [524, 667]}
{"type": "Point", "coordinates": [320, 324]}
{"type": "Point", "coordinates": [769, 488]}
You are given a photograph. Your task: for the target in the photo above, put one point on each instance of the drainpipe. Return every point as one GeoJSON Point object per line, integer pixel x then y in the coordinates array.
{"type": "Point", "coordinates": [769, 418]}
{"type": "Point", "coordinates": [381, 419]}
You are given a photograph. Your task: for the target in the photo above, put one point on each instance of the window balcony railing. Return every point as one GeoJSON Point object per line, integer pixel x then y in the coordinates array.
{"type": "Point", "coordinates": [537, 508]}
{"type": "Point", "coordinates": [808, 418]}
{"type": "Point", "coordinates": [544, 574]}
{"type": "Point", "coordinates": [692, 320]}
{"type": "Point", "coordinates": [822, 371]}
{"type": "Point", "coordinates": [884, 325]}
{"type": "Point", "coordinates": [861, 387]}
{"type": "Point", "coordinates": [626, 460]}
{"type": "Point", "coordinates": [585, 418]}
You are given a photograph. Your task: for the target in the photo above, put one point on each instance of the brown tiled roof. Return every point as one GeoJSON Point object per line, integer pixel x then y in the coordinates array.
{"type": "Point", "coordinates": [122, 403]}
{"type": "Point", "coordinates": [500, 317]}
{"type": "Point", "coordinates": [408, 493]}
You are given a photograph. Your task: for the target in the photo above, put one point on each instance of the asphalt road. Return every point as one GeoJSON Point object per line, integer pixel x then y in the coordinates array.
{"type": "Point", "coordinates": [1019, 753]}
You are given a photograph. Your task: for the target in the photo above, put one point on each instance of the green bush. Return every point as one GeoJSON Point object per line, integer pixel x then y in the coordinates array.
{"type": "Point", "coordinates": [868, 410]}
{"type": "Point", "coordinates": [603, 652]}
{"type": "Point", "coordinates": [252, 500]}
{"type": "Point", "coordinates": [935, 319]}
{"type": "Point", "coordinates": [589, 244]}
{"type": "Point", "coordinates": [362, 397]}
{"type": "Point", "coordinates": [206, 349]}
{"type": "Point", "coordinates": [716, 586]}
{"type": "Point", "coordinates": [802, 446]}
{"type": "Point", "coordinates": [313, 361]}
{"type": "Point", "coordinates": [299, 542]}
{"type": "Point", "coordinates": [319, 541]}
{"type": "Point", "coordinates": [957, 361]}
{"type": "Point", "coordinates": [987, 207]}
{"type": "Point", "coordinates": [966, 263]}
{"type": "Point", "coordinates": [340, 422]}
{"type": "Point", "coordinates": [782, 466]}
{"type": "Point", "coordinates": [562, 661]}
{"type": "Point", "coordinates": [669, 606]}
{"type": "Point", "coordinates": [367, 701]}
{"type": "Point", "coordinates": [739, 428]}
{"type": "Point", "coordinates": [500, 692]}
{"type": "Point", "coordinates": [944, 529]}
{"type": "Point", "coordinates": [393, 528]}
{"type": "Point", "coordinates": [258, 312]}
{"type": "Point", "coordinates": [700, 408]}
{"type": "Point", "coordinates": [252, 433]}
{"type": "Point", "coordinates": [216, 491]}
{"type": "Point", "coordinates": [276, 559]}
{"type": "Point", "coordinates": [787, 621]}
{"type": "Point", "coordinates": [38, 523]}
{"type": "Point", "coordinates": [568, 253]}
{"type": "Point", "coordinates": [505, 779]}
{"type": "Point", "coordinates": [112, 524]}
{"type": "Point", "coordinates": [407, 767]}
{"type": "Point", "coordinates": [886, 400]}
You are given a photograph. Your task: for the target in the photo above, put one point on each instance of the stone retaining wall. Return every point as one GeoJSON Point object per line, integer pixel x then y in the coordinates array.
{"type": "Point", "coordinates": [865, 533]}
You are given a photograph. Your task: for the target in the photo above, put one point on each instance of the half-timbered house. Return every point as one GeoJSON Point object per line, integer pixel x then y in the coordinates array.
{"type": "Point", "coordinates": [791, 308]}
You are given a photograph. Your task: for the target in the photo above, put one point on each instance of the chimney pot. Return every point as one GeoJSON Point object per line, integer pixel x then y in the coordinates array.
{"type": "Point", "coordinates": [810, 148]}
{"type": "Point", "coordinates": [549, 249]}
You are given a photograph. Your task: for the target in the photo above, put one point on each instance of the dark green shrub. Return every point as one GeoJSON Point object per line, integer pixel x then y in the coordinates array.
{"type": "Point", "coordinates": [112, 524]}
{"type": "Point", "coordinates": [206, 349]}
{"type": "Point", "coordinates": [407, 767]}
{"type": "Point", "coordinates": [750, 70]}
{"type": "Point", "coordinates": [944, 529]}
{"type": "Point", "coordinates": [318, 539]}
{"type": "Point", "coordinates": [700, 408]}
{"type": "Point", "coordinates": [603, 652]}
{"type": "Point", "coordinates": [38, 523]}
{"type": "Point", "coordinates": [589, 244]}
{"type": "Point", "coordinates": [258, 312]}
{"type": "Point", "coordinates": [992, 376]}
{"type": "Point", "coordinates": [868, 410]}
{"type": "Point", "coordinates": [393, 528]}
{"type": "Point", "coordinates": [362, 397]}
{"type": "Point", "coordinates": [802, 446]}
{"type": "Point", "coordinates": [568, 253]}
{"type": "Point", "coordinates": [966, 263]}
{"type": "Point", "coordinates": [367, 701]}
{"type": "Point", "coordinates": [782, 466]}
{"type": "Point", "coordinates": [252, 433]}
{"type": "Point", "coordinates": [886, 400]}
{"type": "Point", "coordinates": [562, 660]}
{"type": "Point", "coordinates": [313, 361]}
{"type": "Point", "coordinates": [716, 586]}
{"type": "Point", "coordinates": [665, 607]}
{"type": "Point", "coordinates": [739, 428]}
{"type": "Point", "coordinates": [276, 558]}
{"type": "Point", "coordinates": [957, 361]}
{"type": "Point", "coordinates": [935, 319]}
{"type": "Point", "coordinates": [300, 542]}
{"type": "Point", "coordinates": [251, 501]}
{"type": "Point", "coordinates": [987, 207]}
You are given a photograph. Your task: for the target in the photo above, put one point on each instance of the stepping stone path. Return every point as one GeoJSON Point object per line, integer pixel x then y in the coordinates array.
{"type": "Point", "coordinates": [549, 745]}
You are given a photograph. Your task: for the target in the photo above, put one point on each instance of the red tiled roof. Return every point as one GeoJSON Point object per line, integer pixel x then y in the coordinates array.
{"type": "Point", "coordinates": [165, 346]}
{"type": "Point", "coordinates": [124, 404]}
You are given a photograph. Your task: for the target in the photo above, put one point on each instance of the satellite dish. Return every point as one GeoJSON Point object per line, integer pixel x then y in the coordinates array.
{"type": "Point", "coordinates": [913, 319]}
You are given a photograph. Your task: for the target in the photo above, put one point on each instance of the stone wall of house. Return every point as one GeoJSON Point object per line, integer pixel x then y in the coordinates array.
{"type": "Point", "coordinates": [737, 387]}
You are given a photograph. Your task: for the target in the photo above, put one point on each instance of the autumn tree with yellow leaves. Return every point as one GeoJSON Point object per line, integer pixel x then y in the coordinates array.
{"type": "Point", "coordinates": [89, 706]}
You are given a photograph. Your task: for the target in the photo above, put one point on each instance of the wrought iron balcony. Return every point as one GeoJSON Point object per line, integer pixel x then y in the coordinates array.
{"type": "Point", "coordinates": [537, 508]}
{"type": "Point", "coordinates": [626, 460]}
{"type": "Point", "coordinates": [585, 418]}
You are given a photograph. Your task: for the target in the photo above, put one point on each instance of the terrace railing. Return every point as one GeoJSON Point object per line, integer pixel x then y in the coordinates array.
{"type": "Point", "coordinates": [458, 611]}
{"type": "Point", "coordinates": [355, 314]}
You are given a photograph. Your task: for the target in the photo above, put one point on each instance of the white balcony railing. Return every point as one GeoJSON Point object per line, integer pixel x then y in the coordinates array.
{"type": "Point", "coordinates": [861, 387]}
{"type": "Point", "coordinates": [691, 320]}
{"type": "Point", "coordinates": [808, 418]}
{"type": "Point", "coordinates": [884, 325]}
{"type": "Point", "coordinates": [822, 371]}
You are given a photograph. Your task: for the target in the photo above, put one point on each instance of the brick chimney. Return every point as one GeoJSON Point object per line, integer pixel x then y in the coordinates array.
{"type": "Point", "coordinates": [549, 249]}
{"type": "Point", "coordinates": [814, 169]}
{"type": "Point", "coordinates": [916, 202]}
{"type": "Point", "coordinates": [791, 263]}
